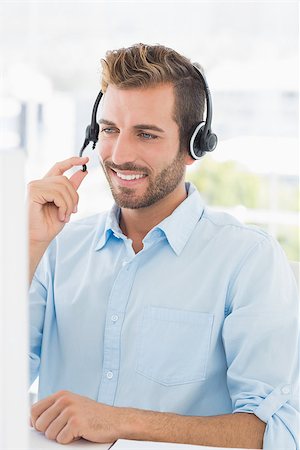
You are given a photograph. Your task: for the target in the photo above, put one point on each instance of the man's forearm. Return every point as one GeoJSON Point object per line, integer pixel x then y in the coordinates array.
{"type": "Point", "coordinates": [231, 430]}
{"type": "Point", "coordinates": [97, 422]}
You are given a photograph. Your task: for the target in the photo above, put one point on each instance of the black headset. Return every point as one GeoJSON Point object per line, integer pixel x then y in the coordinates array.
{"type": "Point", "coordinates": [202, 139]}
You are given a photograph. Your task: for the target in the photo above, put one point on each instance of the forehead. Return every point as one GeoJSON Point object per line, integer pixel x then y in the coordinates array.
{"type": "Point", "coordinates": [154, 104]}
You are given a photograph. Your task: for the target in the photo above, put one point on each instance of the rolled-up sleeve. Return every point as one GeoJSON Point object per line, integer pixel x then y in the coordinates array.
{"type": "Point", "coordinates": [261, 341]}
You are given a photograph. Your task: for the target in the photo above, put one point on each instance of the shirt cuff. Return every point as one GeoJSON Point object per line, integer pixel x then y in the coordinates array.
{"type": "Point", "coordinates": [282, 417]}
{"type": "Point", "coordinates": [273, 402]}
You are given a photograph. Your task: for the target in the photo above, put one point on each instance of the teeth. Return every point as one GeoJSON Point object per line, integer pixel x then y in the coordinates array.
{"type": "Point", "coordinates": [129, 177]}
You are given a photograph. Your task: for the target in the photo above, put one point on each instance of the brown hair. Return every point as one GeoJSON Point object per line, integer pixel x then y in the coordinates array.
{"type": "Point", "coordinates": [147, 65]}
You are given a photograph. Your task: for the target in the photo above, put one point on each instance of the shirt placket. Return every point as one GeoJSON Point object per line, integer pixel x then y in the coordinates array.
{"type": "Point", "coordinates": [113, 326]}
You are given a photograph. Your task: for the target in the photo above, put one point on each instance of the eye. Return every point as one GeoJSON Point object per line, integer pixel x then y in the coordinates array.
{"type": "Point", "coordinates": [108, 130]}
{"type": "Point", "coordinates": [148, 136]}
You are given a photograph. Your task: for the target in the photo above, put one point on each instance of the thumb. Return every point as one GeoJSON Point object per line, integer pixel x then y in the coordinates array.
{"type": "Point", "coordinates": [77, 177]}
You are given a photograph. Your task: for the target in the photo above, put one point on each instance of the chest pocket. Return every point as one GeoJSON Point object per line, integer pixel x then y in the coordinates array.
{"type": "Point", "coordinates": [173, 345]}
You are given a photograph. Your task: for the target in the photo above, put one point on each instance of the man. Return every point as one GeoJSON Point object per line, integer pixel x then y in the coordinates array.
{"type": "Point", "coordinates": [159, 320]}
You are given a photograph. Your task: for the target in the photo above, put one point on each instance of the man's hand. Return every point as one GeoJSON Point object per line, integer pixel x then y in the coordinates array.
{"type": "Point", "coordinates": [51, 201]}
{"type": "Point", "coordinates": [66, 417]}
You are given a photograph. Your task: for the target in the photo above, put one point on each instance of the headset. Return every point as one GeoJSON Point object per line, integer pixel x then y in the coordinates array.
{"type": "Point", "coordinates": [202, 139]}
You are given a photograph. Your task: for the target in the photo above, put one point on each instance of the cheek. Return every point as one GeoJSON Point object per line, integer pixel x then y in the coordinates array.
{"type": "Point", "coordinates": [104, 150]}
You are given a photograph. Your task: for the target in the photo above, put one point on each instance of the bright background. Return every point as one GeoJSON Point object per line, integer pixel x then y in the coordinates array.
{"type": "Point", "coordinates": [49, 58]}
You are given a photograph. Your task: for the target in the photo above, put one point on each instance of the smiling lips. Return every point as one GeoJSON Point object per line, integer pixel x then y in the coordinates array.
{"type": "Point", "coordinates": [129, 177]}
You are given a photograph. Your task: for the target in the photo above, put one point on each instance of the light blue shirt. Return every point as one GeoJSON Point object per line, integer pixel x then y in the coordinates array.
{"type": "Point", "coordinates": [202, 321]}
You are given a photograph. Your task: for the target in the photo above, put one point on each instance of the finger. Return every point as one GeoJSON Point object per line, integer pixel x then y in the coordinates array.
{"type": "Point", "coordinates": [56, 426]}
{"type": "Point", "coordinates": [45, 420]}
{"type": "Point", "coordinates": [61, 167]}
{"type": "Point", "coordinates": [77, 177]}
{"type": "Point", "coordinates": [59, 197]}
{"type": "Point", "coordinates": [69, 194]}
{"type": "Point", "coordinates": [39, 407]}
{"type": "Point", "coordinates": [66, 435]}
{"type": "Point", "coordinates": [72, 191]}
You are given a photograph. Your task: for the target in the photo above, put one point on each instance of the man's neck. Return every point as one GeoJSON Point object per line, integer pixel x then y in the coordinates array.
{"type": "Point", "coordinates": [136, 223]}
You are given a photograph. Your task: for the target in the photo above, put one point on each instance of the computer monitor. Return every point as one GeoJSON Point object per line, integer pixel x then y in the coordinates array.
{"type": "Point", "coordinates": [14, 409]}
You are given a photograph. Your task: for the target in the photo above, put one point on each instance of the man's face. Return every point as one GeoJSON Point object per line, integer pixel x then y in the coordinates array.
{"type": "Point", "coordinates": [139, 145]}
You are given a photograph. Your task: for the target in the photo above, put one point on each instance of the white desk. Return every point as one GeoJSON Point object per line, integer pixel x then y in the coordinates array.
{"type": "Point", "coordinates": [141, 445]}
{"type": "Point", "coordinates": [37, 441]}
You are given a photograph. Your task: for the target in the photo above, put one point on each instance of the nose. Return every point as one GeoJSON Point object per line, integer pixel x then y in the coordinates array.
{"type": "Point", "coordinates": [122, 150]}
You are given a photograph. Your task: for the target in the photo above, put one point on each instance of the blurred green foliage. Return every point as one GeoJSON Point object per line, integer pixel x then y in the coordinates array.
{"type": "Point", "coordinates": [288, 238]}
{"type": "Point", "coordinates": [229, 184]}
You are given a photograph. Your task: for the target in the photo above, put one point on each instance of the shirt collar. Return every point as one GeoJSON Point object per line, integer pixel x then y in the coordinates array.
{"type": "Point", "coordinates": [177, 227]}
{"type": "Point", "coordinates": [111, 227]}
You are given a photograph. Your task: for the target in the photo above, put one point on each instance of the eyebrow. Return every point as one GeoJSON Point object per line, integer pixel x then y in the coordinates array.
{"type": "Point", "coordinates": [139, 126]}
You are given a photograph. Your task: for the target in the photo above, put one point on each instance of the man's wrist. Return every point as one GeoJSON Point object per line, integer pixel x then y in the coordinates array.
{"type": "Point", "coordinates": [145, 425]}
{"type": "Point", "coordinates": [131, 423]}
{"type": "Point", "coordinates": [36, 251]}
{"type": "Point", "coordinates": [38, 244]}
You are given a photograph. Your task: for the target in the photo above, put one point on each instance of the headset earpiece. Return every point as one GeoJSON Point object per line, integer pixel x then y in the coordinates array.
{"type": "Point", "coordinates": [88, 133]}
{"type": "Point", "coordinates": [211, 142]}
{"type": "Point", "coordinates": [92, 132]}
{"type": "Point", "coordinates": [200, 144]}
{"type": "Point", "coordinates": [196, 150]}
{"type": "Point", "coordinates": [202, 139]}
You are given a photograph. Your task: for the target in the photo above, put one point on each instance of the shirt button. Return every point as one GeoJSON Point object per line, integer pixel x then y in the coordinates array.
{"type": "Point", "coordinates": [114, 317]}
{"type": "Point", "coordinates": [109, 375]}
{"type": "Point", "coordinates": [285, 390]}
{"type": "Point", "coordinates": [124, 263]}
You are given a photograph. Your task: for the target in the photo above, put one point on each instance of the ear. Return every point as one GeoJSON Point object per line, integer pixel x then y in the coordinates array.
{"type": "Point", "coordinates": [189, 160]}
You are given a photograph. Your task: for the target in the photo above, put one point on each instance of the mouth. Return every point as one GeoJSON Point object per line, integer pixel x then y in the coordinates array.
{"type": "Point", "coordinates": [128, 178]}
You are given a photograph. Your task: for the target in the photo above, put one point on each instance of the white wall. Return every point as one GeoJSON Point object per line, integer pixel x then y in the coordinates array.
{"type": "Point", "coordinates": [14, 417]}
